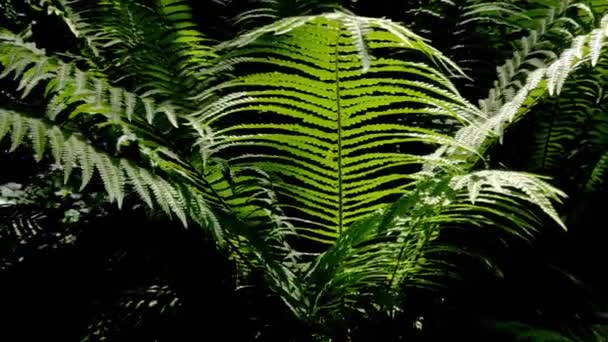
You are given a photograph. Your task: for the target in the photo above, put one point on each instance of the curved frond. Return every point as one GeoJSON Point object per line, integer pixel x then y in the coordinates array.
{"type": "Point", "coordinates": [558, 25]}
{"type": "Point", "coordinates": [542, 82]}
{"type": "Point", "coordinates": [152, 49]}
{"type": "Point", "coordinates": [74, 151]}
{"type": "Point", "coordinates": [334, 117]}
{"type": "Point", "coordinates": [394, 247]}
{"type": "Point", "coordinates": [68, 85]}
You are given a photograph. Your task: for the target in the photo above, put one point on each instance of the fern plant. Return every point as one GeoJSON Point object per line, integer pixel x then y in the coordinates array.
{"type": "Point", "coordinates": [319, 100]}
{"type": "Point", "coordinates": [333, 128]}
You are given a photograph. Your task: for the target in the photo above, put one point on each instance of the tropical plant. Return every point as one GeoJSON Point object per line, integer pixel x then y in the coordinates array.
{"type": "Point", "coordinates": [324, 154]}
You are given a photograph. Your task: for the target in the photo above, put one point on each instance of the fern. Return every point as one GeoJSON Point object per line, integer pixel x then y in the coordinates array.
{"type": "Point", "coordinates": [71, 150]}
{"type": "Point", "coordinates": [170, 69]}
{"type": "Point", "coordinates": [315, 133]}
{"type": "Point", "coordinates": [69, 85]}
{"type": "Point", "coordinates": [536, 50]}
{"type": "Point", "coordinates": [326, 132]}
{"type": "Point", "coordinates": [76, 24]}
{"type": "Point", "coordinates": [540, 82]}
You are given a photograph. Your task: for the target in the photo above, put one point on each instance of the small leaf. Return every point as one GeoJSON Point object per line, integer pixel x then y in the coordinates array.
{"type": "Point", "coordinates": [19, 128]}
{"type": "Point", "coordinates": [38, 135]}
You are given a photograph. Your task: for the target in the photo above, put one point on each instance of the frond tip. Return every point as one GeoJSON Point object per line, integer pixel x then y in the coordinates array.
{"type": "Point", "coordinates": [510, 184]}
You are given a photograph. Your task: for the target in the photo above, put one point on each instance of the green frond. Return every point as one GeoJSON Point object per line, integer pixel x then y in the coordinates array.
{"type": "Point", "coordinates": [541, 82]}
{"type": "Point", "coordinates": [87, 164]}
{"type": "Point", "coordinates": [510, 184]}
{"type": "Point", "coordinates": [136, 177]}
{"type": "Point", "coordinates": [73, 151]}
{"type": "Point", "coordinates": [329, 123]}
{"type": "Point", "coordinates": [535, 51]}
{"type": "Point", "coordinates": [111, 176]}
{"type": "Point", "coordinates": [173, 68]}
{"type": "Point", "coordinates": [18, 132]}
{"type": "Point", "coordinates": [597, 175]}
{"type": "Point", "coordinates": [68, 85]}
{"type": "Point", "coordinates": [391, 248]}
{"type": "Point", "coordinates": [39, 138]}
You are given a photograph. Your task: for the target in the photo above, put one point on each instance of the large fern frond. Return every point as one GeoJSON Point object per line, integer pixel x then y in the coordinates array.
{"type": "Point", "coordinates": [332, 129]}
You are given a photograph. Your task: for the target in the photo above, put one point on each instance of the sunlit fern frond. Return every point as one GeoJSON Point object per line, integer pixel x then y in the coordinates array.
{"type": "Point", "coordinates": [343, 133]}
{"type": "Point", "coordinates": [549, 31]}
{"type": "Point", "coordinates": [68, 85]}
{"type": "Point", "coordinates": [334, 118]}
{"type": "Point", "coordinates": [541, 83]}
{"type": "Point", "coordinates": [481, 35]}
{"type": "Point", "coordinates": [70, 150]}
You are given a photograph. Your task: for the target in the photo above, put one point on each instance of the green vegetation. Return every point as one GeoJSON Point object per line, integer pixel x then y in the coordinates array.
{"type": "Point", "coordinates": [303, 170]}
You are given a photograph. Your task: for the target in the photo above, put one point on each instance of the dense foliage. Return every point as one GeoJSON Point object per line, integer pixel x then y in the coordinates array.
{"type": "Point", "coordinates": [303, 170]}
